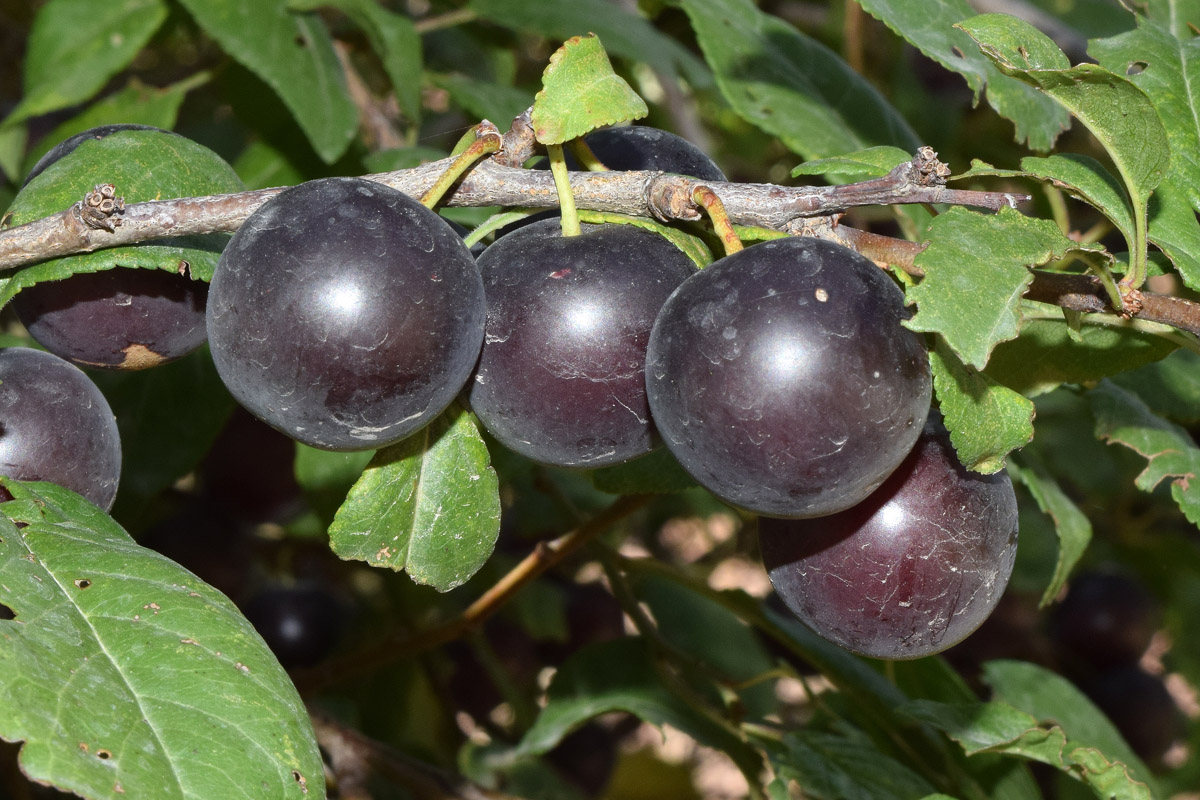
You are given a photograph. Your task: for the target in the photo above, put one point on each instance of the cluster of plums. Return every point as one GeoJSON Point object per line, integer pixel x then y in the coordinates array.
{"type": "Point", "coordinates": [348, 315]}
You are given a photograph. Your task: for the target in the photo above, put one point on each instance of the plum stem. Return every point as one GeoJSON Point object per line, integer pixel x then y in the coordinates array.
{"type": "Point", "coordinates": [707, 199]}
{"type": "Point", "coordinates": [562, 184]}
{"type": "Point", "coordinates": [487, 141]}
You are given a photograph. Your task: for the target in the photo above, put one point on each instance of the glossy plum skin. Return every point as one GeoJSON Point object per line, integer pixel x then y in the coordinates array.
{"type": "Point", "coordinates": [116, 319]}
{"type": "Point", "coordinates": [642, 147]}
{"type": "Point", "coordinates": [910, 571]}
{"type": "Point", "coordinates": [782, 380]}
{"type": "Point", "coordinates": [561, 375]}
{"type": "Point", "coordinates": [345, 314]}
{"type": "Point", "coordinates": [56, 426]}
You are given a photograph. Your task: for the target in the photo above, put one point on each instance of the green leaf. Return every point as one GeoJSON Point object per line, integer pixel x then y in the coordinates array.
{"type": "Point", "coordinates": [1047, 355]}
{"type": "Point", "coordinates": [625, 35]}
{"type": "Point", "coordinates": [1175, 230]}
{"type": "Point", "coordinates": [75, 46]}
{"type": "Point", "coordinates": [658, 472]}
{"type": "Point", "coordinates": [792, 86]}
{"type": "Point", "coordinates": [394, 39]}
{"type": "Point", "coordinates": [1085, 178]}
{"type": "Point", "coordinates": [620, 675]}
{"type": "Point", "coordinates": [1117, 112]}
{"type": "Point", "coordinates": [293, 54]}
{"type": "Point", "coordinates": [126, 676]}
{"type": "Point", "coordinates": [490, 101]}
{"type": "Point", "coordinates": [143, 165]}
{"type": "Point", "coordinates": [691, 245]}
{"type": "Point", "coordinates": [976, 269]}
{"type": "Point", "coordinates": [1177, 16]}
{"type": "Point", "coordinates": [326, 477]}
{"type": "Point", "coordinates": [183, 403]}
{"type": "Point", "coordinates": [874, 162]}
{"type": "Point", "coordinates": [1170, 387]}
{"type": "Point", "coordinates": [929, 26]}
{"type": "Point", "coordinates": [1123, 418]}
{"type": "Point", "coordinates": [580, 92]}
{"type": "Point", "coordinates": [137, 104]}
{"type": "Point", "coordinates": [262, 166]}
{"type": "Point", "coordinates": [997, 727]}
{"type": "Point", "coordinates": [12, 147]}
{"type": "Point", "coordinates": [1049, 696]}
{"type": "Point", "coordinates": [1168, 71]}
{"type": "Point", "coordinates": [1072, 525]}
{"type": "Point", "coordinates": [830, 766]}
{"type": "Point", "coordinates": [429, 505]}
{"type": "Point", "coordinates": [986, 421]}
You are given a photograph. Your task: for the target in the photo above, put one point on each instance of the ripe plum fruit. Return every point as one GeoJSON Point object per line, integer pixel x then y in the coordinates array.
{"type": "Point", "coordinates": [345, 314]}
{"type": "Point", "coordinates": [642, 147]}
{"type": "Point", "coordinates": [56, 426]}
{"type": "Point", "coordinates": [118, 319]}
{"type": "Point", "coordinates": [782, 380]}
{"type": "Point", "coordinates": [115, 319]}
{"type": "Point", "coordinates": [561, 376]}
{"type": "Point", "coordinates": [911, 570]}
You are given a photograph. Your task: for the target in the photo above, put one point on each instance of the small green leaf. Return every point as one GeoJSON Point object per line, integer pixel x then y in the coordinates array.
{"type": "Point", "coordinates": [1123, 418]}
{"type": "Point", "coordinates": [293, 54]}
{"type": "Point", "coordinates": [929, 26]}
{"type": "Point", "coordinates": [12, 147]}
{"type": "Point", "coordinates": [986, 421]}
{"type": "Point", "coordinates": [691, 245]}
{"type": "Point", "coordinates": [1072, 525]}
{"type": "Point", "coordinates": [655, 473]}
{"type": "Point", "coordinates": [1086, 178]}
{"type": "Point", "coordinates": [976, 269]}
{"type": "Point", "coordinates": [1117, 112]}
{"type": "Point", "coordinates": [126, 676]}
{"type": "Point", "coordinates": [136, 104]}
{"type": "Point", "coordinates": [1175, 230]}
{"type": "Point", "coordinates": [1168, 71]}
{"type": "Point", "coordinates": [428, 505]}
{"type": "Point", "coordinates": [792, 86]}
{"type": "Point", "coordinates": [874, 162]}
{"type": "Point", "coordinates": [1046, 695]}
{"type": "Point", "coordinates": [626, 35]}
{"type": "Point", "coordinates": [143, 165]}
{"type": "Point", "coordinates": [620, 675]}
{"type": "Point", "coordinates": [262, 166]}
{"type": "Point", "coordinates": [1046, 355]}
{"type": "Point", "coordinates": [580, 92]}
{"type": "Point", "coordinates": [394, 39]}
{"type": "Point", "coordinates": [75, 46]}
{"type": "Point", "coordinates": [830, 766]}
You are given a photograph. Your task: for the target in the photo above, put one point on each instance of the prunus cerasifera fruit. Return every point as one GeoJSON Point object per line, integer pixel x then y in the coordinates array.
{"type": "Point", "coordinates": [345, 314]}
{"type": "Point", "coordinates": [911, 570]}
{"type": "Point", "coordinates": [782, 380]}
{"type": "Point", "coordinates": [1106, 618]}
{"type": "Point", "coordinates": [561, 375]}
{"type": "Point", "coordinates": [118, 318]}
{"type": "Point", "coordinates": [56, 426]}
{"type": "Point", "coordinates": [301, 624]}
{"type": "Point", "coordinates": [642, 147]}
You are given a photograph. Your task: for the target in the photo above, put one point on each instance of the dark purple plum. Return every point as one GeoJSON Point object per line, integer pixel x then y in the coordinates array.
{"type": "Point", "coordinates": [911, 570]}
{"type": "Point", "coordinates": [116, 319]}
{"type": "Point", "coordinates": [1140, 707]}
{"type": "Point", "coordinates": [642, 147]}
{"type": "Point", "coordinates": [782, 380]}
{"type": "Point", "coordinates": [345, 314]}
{"type": "Point", "coordinates": [68, 145]}
{"type": "Point", "coordinates": [56, 426]}
{"type": "Point", "coordinates": [1106, 619]}
{"type": "Point", "coordinates": [561, 375]}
